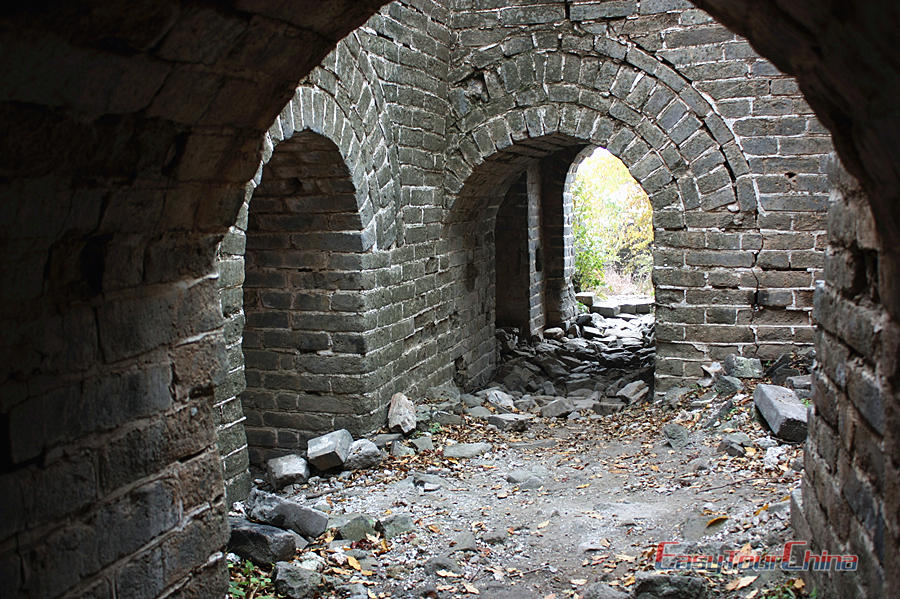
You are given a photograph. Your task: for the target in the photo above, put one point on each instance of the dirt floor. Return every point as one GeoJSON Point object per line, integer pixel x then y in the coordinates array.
{"type": "Point", "coordinates": [553, 510]}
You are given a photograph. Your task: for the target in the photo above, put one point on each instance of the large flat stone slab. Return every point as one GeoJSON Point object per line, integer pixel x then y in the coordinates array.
{"type": "Point", "coordinates": [273, 510]}
{"type": "Point", "coordinates": [782, 410]}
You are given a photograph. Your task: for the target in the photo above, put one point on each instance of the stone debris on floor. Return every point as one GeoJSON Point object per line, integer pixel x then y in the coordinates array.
{"type": "Point", "coordinates": [534, 486]}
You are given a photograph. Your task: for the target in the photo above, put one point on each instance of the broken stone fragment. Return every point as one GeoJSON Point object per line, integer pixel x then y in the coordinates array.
{"type": "Point", "coordinates": [600, 590]}
{"type": "Point", "coordinates": [670, 586]}
{"type": "Point", "coordinates": [554, 333]}
{"type": "Point", "coordinates": [743, 368]}
{"type": "Point", "coordinates": [395, 525]}
{"type": "Point", "coordinates": [677, 436]}
{"type": "Point", "coordinates": [509, 422]}
{"type": "Point", "coordinates": [287, 470]}
{"type": "Point", "coordinates": [726, 385]}
{"type": "Point", "coordinates": [421, 479]}
{"type": "Point", "coordinates": [271, 509]}
{"type": "Point", "coordinates": [470, 400]}
{"type": "Point", "coordinates": [607, 408]}
{"type": "Point", "coordinates": [329, 451]}
{"type": "Point", "coordinates": [464, 541]}
{"type": "Point", "coordinates": [607, 309]}
{"type": "Point", "coordinates": [559, 408]}
{"type": "Point", "coordinates": [296, 582]}
{"type": "Point", "coordinates": [500, 399]}
{"type": "Point", "coordinates": [385, 439]}
{"type": "Point", "coordinates": [423, 443]}
{"type": "Point", "coordinates": [441, 562]}
{"type": "Point", "coordinates": [354, 527]}
{"type": "Point", "coordinates": [363, 454]}
{"type": "Point", "coordinates": [446, 418]}
{"type": "Point", "coordinates": [401, 414]}
{"type": "Point", "coordinates": [591, 332]}
{"type": "Point", "coordinates": [675, 395]}
{"type": "Point", "coordinates": [495, 537]}
{"type": "Point", "coordinates": [731, 448]}
{"type": "Point", "coordinates": [782, 410]}
{"type": "Point", "coordinates": [585, 297]}
{"type": "Point", "coordinates": [799, 383]}
{"type": "Point", "coordinates": [634, 392]}
{"type": "Point", "coordinates": [479, 412]}
{"type": "Point", "coordinates": [400, 449]}
{"type": "Point", "coordinates": [260, 543]}
{"type": "Point", "coordinates": [466, 450]}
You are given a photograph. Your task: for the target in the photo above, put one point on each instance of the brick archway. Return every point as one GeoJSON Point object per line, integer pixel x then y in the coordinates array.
{"type": "Point", "coordinates": [290, 284]}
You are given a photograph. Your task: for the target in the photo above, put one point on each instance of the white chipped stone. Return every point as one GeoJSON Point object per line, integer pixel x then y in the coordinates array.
{"type": "Point", "coordinates": [401, 414]}
{"type": "Point", "coordinates": [286, 470]}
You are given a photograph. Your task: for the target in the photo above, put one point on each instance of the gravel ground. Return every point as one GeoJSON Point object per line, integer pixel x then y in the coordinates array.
{"type": "Point", "coordinates": [565, 504]}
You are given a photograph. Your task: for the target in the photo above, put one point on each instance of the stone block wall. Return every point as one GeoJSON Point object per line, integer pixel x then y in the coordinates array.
{"type": "Point", "coordinates": [514, 260]}
{"type": "Point", "coordinates": [335, 276]}
{"type": "Point", "coordinates": [850, 498]}
{"type": "Point", "coordinates": [129, 137]}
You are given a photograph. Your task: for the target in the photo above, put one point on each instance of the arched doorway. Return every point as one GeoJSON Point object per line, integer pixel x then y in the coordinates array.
{"type": "Point", "coordinates": [303, 343]}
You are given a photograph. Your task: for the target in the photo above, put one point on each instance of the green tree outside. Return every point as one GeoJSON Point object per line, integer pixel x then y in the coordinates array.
{"type": "Point", "coordinates": [612, 226]}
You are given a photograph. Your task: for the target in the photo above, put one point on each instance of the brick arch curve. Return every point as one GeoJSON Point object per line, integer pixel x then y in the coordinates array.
{"type": "Point", "coordinates": [688, 138]}
{"type": "Point", "coordinates": [349, 77]}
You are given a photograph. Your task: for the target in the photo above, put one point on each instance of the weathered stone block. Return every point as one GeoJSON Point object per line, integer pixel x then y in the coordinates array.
{"type": "Point", "coordinates": [509, 422]}
{"type": "Point", "coordinates": [260, 543]}
{"type": "Point", "coordinates": [782, 410]}
{"type": "Point", "coordinates": [277, 511]}
{"type": "Point", "coordinates": [363, 454]}
{"type": "Point", "coordinates": [287, 470]}
{"type": "Point", "coordinates": [296, 582]}
{"type": "Point", "coordinates": [743, 368]}
{"type": "Point", "coordinates": [329, 451]}
{"type": "Point", "coordinates": [401, 414]}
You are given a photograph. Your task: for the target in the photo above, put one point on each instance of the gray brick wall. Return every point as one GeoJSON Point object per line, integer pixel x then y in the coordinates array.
{"type": "Point", "coordinates": [847, 506]}
{"type": "Point", "coordinates": [724, 144]}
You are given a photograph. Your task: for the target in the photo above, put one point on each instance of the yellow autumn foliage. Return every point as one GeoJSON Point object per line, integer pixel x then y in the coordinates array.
{"type": "Point", "coordinates": [612, 225]}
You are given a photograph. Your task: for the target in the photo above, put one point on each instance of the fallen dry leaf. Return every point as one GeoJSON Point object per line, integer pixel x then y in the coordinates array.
{"type": "Point", "coordinates": [471, 589]}
{"type": "Point", "coordinates": [354, 563]}
{"type": "Point", "coordinates": [716, 520]}
{"type": "Point", "coordinates": [447, 574]}
{"type": "Point", "coordinates": [544, 524]}
{"type": "Point", "coordinates": [740, 583]}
